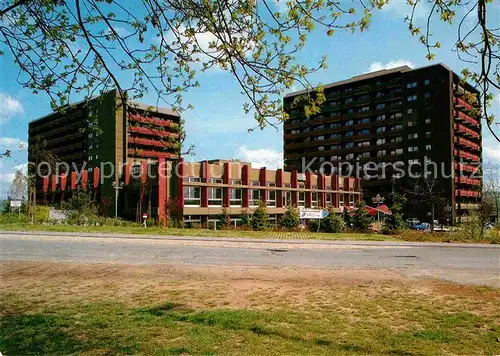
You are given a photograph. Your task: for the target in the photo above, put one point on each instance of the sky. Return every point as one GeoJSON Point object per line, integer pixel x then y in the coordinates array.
{"type": "Point", "coordinates": [218, 126]}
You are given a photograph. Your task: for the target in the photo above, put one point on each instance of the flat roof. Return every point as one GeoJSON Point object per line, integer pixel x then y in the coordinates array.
{"type": "Point", "coordinates": [378, 73]}
{"type": "Point", "coordinates": [135, 104]}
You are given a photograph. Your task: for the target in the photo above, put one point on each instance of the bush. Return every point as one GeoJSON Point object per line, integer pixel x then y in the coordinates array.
{"type": "Point", "coordinates": [332, 222]}
{"type": "Point", "coordinates": [290, 219]}
{"type": "Point", "coordinates": [361, 220]}
{"type": "Point", "coordinates": [224, 220]}
{"type": "Point", "coordinates": [313, 225]}
{"type": "Point", "coordinates": [246, 219]}
{"type": "Point", "coordinates": [260, 218]}
{"type": "Point", "coordinates": [13, 218]}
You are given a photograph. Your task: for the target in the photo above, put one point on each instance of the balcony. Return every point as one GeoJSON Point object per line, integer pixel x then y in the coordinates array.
{"type": "Point", "coordinates": [466, 167]}
{"type": "Point", "coordinates": [467, 193]}
{"type": "Point", "coordinates": [465, 130]}
{"type": "Point", "coordinates": [466, 143]}
{"type": "Point", "coordinates": [458, 90]}
{"type": "Point", "coordinates": [150, 120]}
{"type": "Point", "coordinates": [468, 181]}
{"type": "Point", "coordinates": [462, 104]}
{"type": "Point", "coordinates": [152, 132]}
{"type": "Point", "coordinates": [150, 154]}
{"type": "Point", "coordinates": [460, 116]}
{"type": "Point", "coordinates": [361, 89]}
{"type": "Point", "coordinates": [149, 142]}
{"type": "Point", "coordinates": [466, 155]}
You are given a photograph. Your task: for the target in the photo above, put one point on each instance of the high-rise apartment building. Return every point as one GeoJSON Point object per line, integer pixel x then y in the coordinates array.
{"type": "Point", "coordinates": [384, 125]}
{"type": "Point", "coordinates": [98, 138]}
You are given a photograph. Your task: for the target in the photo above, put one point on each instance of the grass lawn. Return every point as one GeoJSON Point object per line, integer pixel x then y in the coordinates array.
{"type": "Point", "coordinates": [58, 309]}
{"type": "Point", "coordinates": [196, 232]}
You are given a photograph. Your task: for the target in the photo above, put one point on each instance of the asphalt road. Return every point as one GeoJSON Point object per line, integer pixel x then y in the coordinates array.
{"type": "Point", "coordinates": [468, 264]}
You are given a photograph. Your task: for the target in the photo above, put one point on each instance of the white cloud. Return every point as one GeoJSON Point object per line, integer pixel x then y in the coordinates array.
{"type": "Point", "coordinates": [12, 143]}
{"type": "Point", "coordinates": [375, 66]}
{"type": "Point", "coordinates": [262, 157]}
{"type": "Point", "coordinates": [491, 153]}
{"type": "Point", "coordinates": [401, 9]}
{"type": "Point", "coordinates": [9, 107]}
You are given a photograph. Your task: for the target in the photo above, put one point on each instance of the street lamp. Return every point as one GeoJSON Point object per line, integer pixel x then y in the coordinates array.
{"type": "Point", "coordinates": [378, 199]}
{"type": "Point", "coordinates": [117, 186]}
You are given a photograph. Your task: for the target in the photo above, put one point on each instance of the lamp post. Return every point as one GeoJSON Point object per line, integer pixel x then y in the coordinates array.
{"type": "Point", "coordinates": [117, 186]}
{"type": "Point", "coordinates": [378, 199]}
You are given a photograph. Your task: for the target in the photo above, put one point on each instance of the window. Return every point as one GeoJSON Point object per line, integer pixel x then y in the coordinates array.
{"type": "Point", "coordinates": [412, 98]}
{"type": "Point", "coordinates": [348, 100]}
{"type": "Point", "coordinates": [90, 158]}
{"type": "Point", "coordinates": [411, 85]}
{"type": "Point", "coordinates": [380, 117]}
{"type": "Point", "coordinates": [336, 158]}
{"type": "Point", "coordinates": [192, 179]}
{"type": "Point", "coordinates": [427, 120]}
{"type": "Point", "coordinates": [381, 153]}
{"type": "Point", "coordinates": [254, 197]}
{"type": "Point", "coordinates": [351, 200]}
{"type": "Point", "coordinates": [364, 144]}
{"type": "Point", "coordinates": [413, 149]}
{"type": "Point", "coordinates": [380, 106]}
{"type": "Point", "coordinates": [365, 108]}
{"type": "Point", "coordinates": [214, 196]}
{"type": "Point", "coordinates": [287, 198]}
{"type": "Point", "coordinates": [254, 182]}
{"type": "Point", "coordinates": [427, 95]}
{"type": "Point", "coordinates": [409, 111]}
{"type": "Point", "coordinates": [96, 156]}
{"type": "Point", "coordinates": [321, 159]}
{"type": "Point", "coordinates": [349, 133]}
{"type": "Point", "coordinates": [412, 161]}
{"type": "Point", "coordinates": [314, 199]}
{"type": "Point", "coordinates": [235, 197]}
{"type": "Point", "coordinates": [365, 155]}
{"type": "Point", "coordinates": [380, 129]}
{"type": "Point", "coordinates": [302, 199]}
{"type": "Point", "coordinates": [341, 201]}
{"type": "Point", "coordinates": [321, 148]}
{"type": "Point", "coordinates": [412, 136]}
{"type": "Point", "coordinates": [271, 198]}
{"type": "Point", "coordinates": [396, 127]}
{"type": "Point", "coordinates": [192, 196]}
{"type": "Point", "coordinates": [427, 82]}
{"type": "Point", "coordinates": [90, 147]}
{"type": "Point", "coordinates": [364, 121]}
{"type": "Point", "coordinates": [381, 141]}
{"type": "Point", "coordinates": [328, 199]}
{"type": "Point", "coordinates": [319, 138]}
{"type": "Point", "coordinates": [236, 181]}
{"type": "Point", "coordinates": [412, 123]}
{"type": "Point", "coordinates": [428, 147]}
{"type": "Point", "coordinates": [349, 123]}
{"type": "Point", "coordinates": [428, 134]}
{"type": "Point", "coordinates": [349, 156]}
{"type": "Point", "coordinates": [214, 180]}
{"type": "Point", "coordinates": [349, 145]}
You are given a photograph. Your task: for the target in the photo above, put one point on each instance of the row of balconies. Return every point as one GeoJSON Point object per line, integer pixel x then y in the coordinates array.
{"type": "Point", "coordinates": [465, 130]}
{"type": "Point", "coordinates": [467, 193]}
{"type": "Point", "coordinates": [151, 120]}
{"type": "Point", "coordinates": [465, 167]}
{"type": "Point", "coordinates": [469, 181]}
{"type": "Point", "coordinates": [148, 142]}
{"type": "Point", "coordinates": [134, 152]}
{"type": "Point", "coordinates": [152, 132]}
{"type": "Point", "coordinates": [462, 104]}
{"type": "Point", "coordinates": [461, 116]}
{"type": "Point", "coordinates": [466, 155]}
{"type": "Point", "coordinates": [467, 143]}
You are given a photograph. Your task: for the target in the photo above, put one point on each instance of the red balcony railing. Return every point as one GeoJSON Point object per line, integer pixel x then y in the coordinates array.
{"type": "Point", "coordinates": [460, 103]}
{"type": "Point", "coordinates": [464, 142]}
{"type": "Point", "coordinates": [152, 132]}
{"type": "Point", "coordinates": [466, 193]}
{"type": "Point", "coordinates": [466, 167]}
{"type": "Point", "coordinates": [149, 142]}
{"type": "Point", "coordinates": [466, 155]}
{"type": "Point", "coordinates": [150, 120]}
{"type": "Point", "coordinates": [465, 130]}
{"type": "Point", "coordinates": [461, 116]}
{"type": "Point", "coordinates": [150, 153]}
{"type": "Point", "coordinates": [465, 180]}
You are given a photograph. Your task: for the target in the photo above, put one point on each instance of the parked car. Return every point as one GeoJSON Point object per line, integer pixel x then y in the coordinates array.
{"type": "Point", "coordinates": [422, 227]}
{"type": "Point", "coordinates": [412, 221]}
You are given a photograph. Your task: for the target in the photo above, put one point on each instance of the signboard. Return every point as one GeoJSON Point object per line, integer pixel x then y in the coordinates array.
{"type": "Point", "coordinates": [15, 203]}
{"type": "Point", "coordinates": [312, 213]}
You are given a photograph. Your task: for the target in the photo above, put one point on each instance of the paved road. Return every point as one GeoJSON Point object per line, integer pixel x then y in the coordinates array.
{"type": "Point", "coordinates": [470, 264]}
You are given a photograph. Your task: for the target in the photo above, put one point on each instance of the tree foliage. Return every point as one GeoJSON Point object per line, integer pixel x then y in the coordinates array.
{"type": "Point", "coordinates": [260, 218]}
{"type": "Point", "coordinates": [290, 219]}
{"type": "Point", "coordinates": [78, 47]}
{"type": "Point", "coordinates": [332, 222]}
{"type": "Point", "coordinates": [361, 219]}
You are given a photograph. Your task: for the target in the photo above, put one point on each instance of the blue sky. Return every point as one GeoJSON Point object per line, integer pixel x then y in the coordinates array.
{"type": "Point", "coordinates": [218, 126]}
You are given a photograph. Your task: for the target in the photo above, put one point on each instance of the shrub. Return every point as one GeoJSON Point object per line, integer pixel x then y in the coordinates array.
{"type": "Point", "coordinates": [224, 220]}
{"type": "Point", "coordinates": [260, 218]}
{"type": "Point", "coordinates": [290, 219]}
{"type": "Point", "coordinates": [313, 225]}
{"type": "Point", "coordinates": [246, 219]}
{"type": "Point", "coordinates": [332, 222]}
{"type": "Point", "coordinates": [361, 220]}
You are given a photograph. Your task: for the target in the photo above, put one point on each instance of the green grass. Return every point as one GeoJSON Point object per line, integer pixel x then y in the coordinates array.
{"type": "Point", "coordinates": [173, 329]}
{"type": "Point", "coordinates": [139, 230]}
